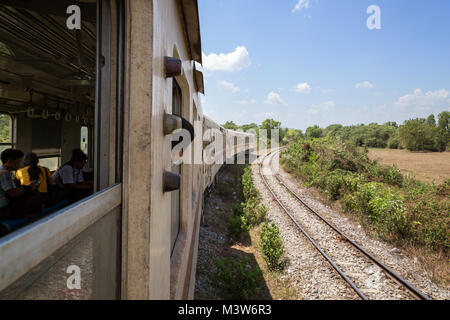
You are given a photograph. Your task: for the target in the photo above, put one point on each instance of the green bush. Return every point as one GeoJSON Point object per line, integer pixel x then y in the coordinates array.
{"type": "Point", "coordinates": [386, 174]}
{"type": "Point", "coordinates": [334, 183]}
{"type": "Point", "coordinates": [237, 226]}
{"type": "Point", "coordinates": [385, 210]}
{"type": "Point", "coordinates": [352, 182]}
{"type": "Point", "coordinates": [237, 278]}
{"type": "Point", "coordinates": [428, 215]}
{"type": "Point", "coordinates": [254, 212]}
{"type": "Point", "coordinates": [262, 213]}
{"type": "Point", "coordinates": [248, 188]}
{"type": "Point", "coordinates": [398, 207]}
{"type": "Point", "coordinates": [272, 246]}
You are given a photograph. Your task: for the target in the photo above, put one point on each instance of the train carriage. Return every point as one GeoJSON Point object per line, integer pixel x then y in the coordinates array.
{"type": "Point", "coordinates": [117, 83]}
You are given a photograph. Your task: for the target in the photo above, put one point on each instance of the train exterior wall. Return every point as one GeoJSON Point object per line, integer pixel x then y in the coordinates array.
{"type": "Point", "coordinates": [134, 257]}
{"type": "Point", "coordinates": [156, 29]}
{"type": "Point", "coordinates": [137, 150]}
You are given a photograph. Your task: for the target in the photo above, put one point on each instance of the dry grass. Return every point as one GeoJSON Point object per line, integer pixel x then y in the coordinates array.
{"type": "Point", "coordinates": [436, 264]}
{"type": "Point", "coordinates": [426, 166]}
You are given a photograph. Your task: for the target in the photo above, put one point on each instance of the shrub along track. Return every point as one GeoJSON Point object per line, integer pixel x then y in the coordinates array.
{"type": "Point", "coordinates": [368, 277]}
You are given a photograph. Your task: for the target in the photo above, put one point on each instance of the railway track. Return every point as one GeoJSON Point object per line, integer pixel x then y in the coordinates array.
{"type": "Point", "coordinates": [339, 240]}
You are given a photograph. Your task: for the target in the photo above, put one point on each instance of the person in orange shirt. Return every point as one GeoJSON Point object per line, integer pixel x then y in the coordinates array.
{"type": "Point", "coordinates": [16, 202]}
{"type": "Point", "coordinates": [33, 173]}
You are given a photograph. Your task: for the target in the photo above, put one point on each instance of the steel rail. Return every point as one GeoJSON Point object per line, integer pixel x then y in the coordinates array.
{"type": "Point", "coordinates": [333, 264]}
{"type": "Point", "coordinates": [416, 292]}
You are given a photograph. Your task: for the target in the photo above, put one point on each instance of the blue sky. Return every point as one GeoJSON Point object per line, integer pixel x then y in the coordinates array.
{"type": "Point", "coordinates": [321, 64]}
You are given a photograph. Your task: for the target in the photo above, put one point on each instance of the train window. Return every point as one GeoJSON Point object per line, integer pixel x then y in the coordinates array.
{"type": "Point", "coordinates": [177, 103]}
{"type": "Point", "coordinates": [52, 163]}
{"type": "Point", "coordinates": [84, 143]}
{"type": "Point", "coordinates": [5, 132]}
{"type": "Point", "coordinates": [58, 83]}
{"type": "Point", "coordinates": [195, 148]}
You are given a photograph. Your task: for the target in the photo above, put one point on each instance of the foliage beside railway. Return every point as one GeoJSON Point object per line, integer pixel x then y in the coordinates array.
{"type": "Point", "coordinates": [397, 207]}
{"type": "Point", "coordinates": [237, 278]}
{"type": "Point", "coordinates": [272, 247]}
{"type": "Point", "coordinates": [249, 213]}
{"type": "Point", "coordinates": [414, 135]}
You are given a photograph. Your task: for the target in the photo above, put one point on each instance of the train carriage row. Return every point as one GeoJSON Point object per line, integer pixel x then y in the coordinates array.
{"type": "Point", "coordinates": [119, 84]}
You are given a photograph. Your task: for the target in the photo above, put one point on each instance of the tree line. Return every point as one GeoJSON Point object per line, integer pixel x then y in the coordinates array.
{"type": "Point", "coordinates": [420, 134]}
{"type": "Point", "coordinates": [285, 134]}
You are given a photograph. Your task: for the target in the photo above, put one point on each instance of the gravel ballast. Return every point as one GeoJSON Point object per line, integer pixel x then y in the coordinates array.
{"type": "Point", "coordinates": [309, 270]}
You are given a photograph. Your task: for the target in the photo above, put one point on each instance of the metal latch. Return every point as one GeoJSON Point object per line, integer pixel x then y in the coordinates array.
{"type": "Point", "coordinates": [171, 181]}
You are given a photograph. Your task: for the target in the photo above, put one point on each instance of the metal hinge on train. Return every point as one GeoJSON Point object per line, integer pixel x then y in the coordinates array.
{"type": "Point", "coordinates": [172, 67]}
{"type": "Point", "coordinates": [172, 181]}
{"type": "Point", "coordinates": [173, 123]}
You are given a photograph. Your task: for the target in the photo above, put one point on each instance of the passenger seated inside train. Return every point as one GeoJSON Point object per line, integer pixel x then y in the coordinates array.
{"type": "Point", "coordinates": [17, 202]}
{"type": "Point", "coordinates": [33, 172]}
{"type": "Point", "coordinates": [70, 177]}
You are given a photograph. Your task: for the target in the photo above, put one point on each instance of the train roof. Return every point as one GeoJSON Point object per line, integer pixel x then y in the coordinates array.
{"type": "Point", "coordinates": [192, 28]}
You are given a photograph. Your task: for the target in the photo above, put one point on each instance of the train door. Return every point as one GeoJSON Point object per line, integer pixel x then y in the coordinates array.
{"type": "Point", "coordinates": [177, 103]}
{"type": "Point", "coordinates": [61, 84]}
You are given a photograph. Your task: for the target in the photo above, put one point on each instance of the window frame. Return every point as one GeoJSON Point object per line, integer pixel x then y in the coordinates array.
{"type": "Point", "coordinates": [12, 143]}
{"type": "Point", "coordinates": [24, 249]}
{"type": "Point", "coordinates": [174, 238]}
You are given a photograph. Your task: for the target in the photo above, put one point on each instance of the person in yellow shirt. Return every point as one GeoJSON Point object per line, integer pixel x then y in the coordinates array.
{"type": "Point", "coordinates": [33, 173]}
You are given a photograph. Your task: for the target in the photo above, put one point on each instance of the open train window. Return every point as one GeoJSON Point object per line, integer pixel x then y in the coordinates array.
{"type": "Point", "coordinates": [84, 143]}
{"type": "Point", "coordinates": [56, 78]}
{"type": "Point", "coordinates": [52, 163]}
{"type": "Point", "coordinates": [56, 81]}
{"type": "Point", "coordinates": [48, 82]}
{"type": "Point", "coordinates": [6, 129]}
{"type": "Point", "coordinates": [177, 103]}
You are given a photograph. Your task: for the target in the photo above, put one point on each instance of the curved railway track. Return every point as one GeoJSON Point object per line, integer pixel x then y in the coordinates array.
{"type": "Point", "coordinates": [342, 241]}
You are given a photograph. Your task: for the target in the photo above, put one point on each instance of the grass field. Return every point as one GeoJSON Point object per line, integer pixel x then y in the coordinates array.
{"type": "Point", "coordinates": [426, 166]}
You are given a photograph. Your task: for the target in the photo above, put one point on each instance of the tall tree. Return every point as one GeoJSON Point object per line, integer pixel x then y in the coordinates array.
{"type": "Point", "coordinates": [314, 132]}
{"type": "Point", "coordinates": [230, 125]}
{"type": "Point", "coordinates": [417, 135]}
{"type": "Point", "coordinates": [431, 120]}
{"type": "Point", "coordinates": [444, 121]}
{"type": "Point", "coordinates": [269, 125]}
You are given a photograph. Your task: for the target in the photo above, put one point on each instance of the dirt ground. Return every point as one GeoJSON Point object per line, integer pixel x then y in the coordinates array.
{"type": "Point", "coordinates": [426, 166]}
{"type": "Point", "coordinates": [215, 243]}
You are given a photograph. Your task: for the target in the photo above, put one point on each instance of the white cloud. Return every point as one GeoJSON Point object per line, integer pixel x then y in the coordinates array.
{"type": "Point", "coordinates": [365, 84]}
{"type": "Point", "coordinates": [228, 86]}
{"type": "Point", "coordinates": [301, 4]}
{"type": "Point", "coordinates": [275, 98]}
{"type": "Point", "coordinates": [319, 108]}
{"type": "Point", "coordinates": [303, 88]}
{"type": "Point", "coordinates": [418, 101]}
{"type": "Point", "coordinates": [252, 101]}
{"type": "Point", "coordinates": [234, 61]}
